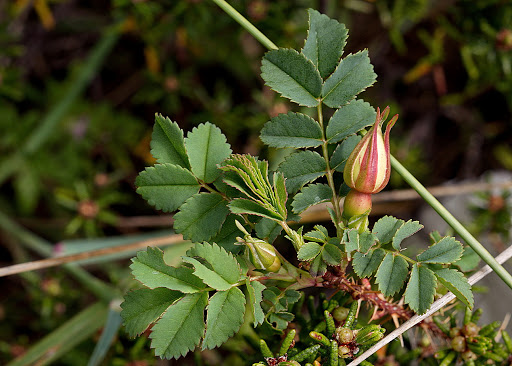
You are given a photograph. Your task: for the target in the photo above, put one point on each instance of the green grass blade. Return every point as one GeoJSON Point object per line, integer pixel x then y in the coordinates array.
{"type": "Point", "coordinates": [74, 331]}
{"type": "Point", "coordinates": [108, 334]}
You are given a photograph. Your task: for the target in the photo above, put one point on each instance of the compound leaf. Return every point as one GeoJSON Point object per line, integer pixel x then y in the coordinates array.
{"type": "Point", "coordinates": [447, 250]}
{"type": "Point", "coordinates": [206, 147]}
{"type": "Point", "coordinates": [143, 306]}
{"type": "Point", "coordinates": [353, 75]}
{"type": "Point", "coordinates": [150, 269]}
{"type": "Point", "coordinates": [325, 42]}
{"type": "Point", "coordinates": [292, 130]}
{"type": "Point", "coordinates": [421, 289]}
{"type": "Point", "coordinates": [292, 75]}
{"type": "Point", "coordinates": [167, 143]}
{"type": "Point", "coordinates": [181, 327]}
{"type": "Point", "coordinates": [300, 168]}
{"type": "Point", "coordinates": [311, 195]}
{"type": "Point", "coordinates": [407, 229]}
{"type": "Point", "coordinates": [340, 155]}
{"type": "Point", "coordinates": [224, 317]}
{"type": "Point", "coordinates": [365, 264]}
{"type": "Point", "coordinates": [457, 283]}
{"type": "Point", "coordinates": [308, 251]}
{"type": "Point", "coordinates": [255, 296]}
{"type": "Point", "coordinates": [201, 216]}
{"type": "Point", "coordinates": [166, 186]}
{"type": "Point", "coordinates": [392, 274]}
{"type": "Point", "coordinates": [349, 119]}
{"type": "Point", "coordinates": [218, 268]}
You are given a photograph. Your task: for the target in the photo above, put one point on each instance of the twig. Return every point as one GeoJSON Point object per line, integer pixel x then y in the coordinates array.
{"type": "Point", "coordinates": [56, 261]}
{"type": "Point", "coordinates": [503, 257]}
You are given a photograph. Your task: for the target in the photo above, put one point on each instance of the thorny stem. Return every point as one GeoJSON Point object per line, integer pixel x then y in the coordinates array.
{"type": "Point", "coordinates": [330, 179]}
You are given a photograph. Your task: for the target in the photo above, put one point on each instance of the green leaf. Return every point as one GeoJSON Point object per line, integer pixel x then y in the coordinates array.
{"type": "Point", "coordinates": [331, 254]}
{"type": "Point", "coordinates": [268, 229]}
{"type": "Point", "coordinates": [308, 251]}
{"type": "Point", "coordinates": [353, 75]}
{"type": "Point", "coordinates": [201, 216]}
{"type": "Point", "coordinates": [421, 289]}
{"type": "Point", "coordinates": [469, 260]}
{"type": "Point", "coordinates": [407, 229]}
{"type": "Point", "coordinates": [150, 269]}
{"type": "Point", "coordinates": [143, 306]}
{"type": "Point", "coordinates": [351, 239]}
{"type": "Point", "coordinates": [225, 316]}
{"type": "Point", "coordinates": [457, 283]}
{"type": "Point", "coordinates": [181, 327]}
{"type": "Point", "coordinates": [206, 147]}
{"type": "Point", "coordinates": [302, 167]}
{"type": "Point", "coordinates": [311, 195]}
{"type": "Point", "coordinates": [341, 154]}
{"type": "Point", "coordinates": [226, 238]}
{"type": "Point", "coordinates": [218, 261]}
{"type": "Point", "coordinates": [292, 130]}
{"type": "Point", "coordinates": [255, 296]}
{"type": "Point", "coordinates": [391, 274]}
{"type": "Point", "coordinates": [166, 186]}
{"type": "Point", "coordinates": [448, 250]}
{"type": "Point", "coordinates": [318, 266]}
{"type": "Point", "coordinates": [292, 75]}
{"type": "Point", "coordinates": [366, 241]}
{"type": "Point", "coordinates": [349, 119]}
{"type": "Point", "coordinates": [208, 276]}
{"type": "Point", "coordinates": [365, 264]}
{"type": "Point", "coordinates": [167, 143]}
{"type": "Point", "coordinates": [386, 228]}
{"type": "Point", "coordinates": [244, 206]}
{"type": "Point", "coordinates": [325, 42]}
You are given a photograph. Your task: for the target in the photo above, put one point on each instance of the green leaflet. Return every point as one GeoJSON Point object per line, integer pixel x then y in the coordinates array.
{"type": "Point", "coordinates": [206, 147]}
{"type": "Point", "coordinates": [311, 195]}
{"type": "Point", "coordinates": [318, 266]}
{"type": "Point", "coordinates": [353, 75]}
{"type": "Point", "coordinates": [167, 143]}
{"type": "Point", "coordinates": [447, 250]}
{"type": "Point", "coordinates": [143, 306]}
{"type": "Point", "coordinates": [421, 289]}
{"type": "Point", "coordinates": [292, 130]}
{"type": "Point", "coordinates": [255, 296]}
{"type": "Point", "coordinates": [349, 119]}
{"type": "Point", "coordinates": [244, 206]}
{"type": "Point", "coordinates": [366, 264]}
{"type": "Point", "coordinates": [225, 315]}
{"type": "Point", "coordinates": [308, 251]}
{"type": "Point", "coordinates": [181, 327]}
{"type": "Point", "coordinates": [201, 216]}
{"type": "Point", "coordinates": [300, 168]}
{"type": "Point", "coordinates": [331, 254]}
{"type": "Point", "coordinates": [292, 75]}
{"type": "Point", "coordinates": [469, 260]}
{"type": "Point", "coordinates": [385, 229]}
{"type": "Point", "coordinates": [268, 229]}
{"type": "Point", "coordinates": [340, 155]}
{"type": "Point", "coordinates": [325, 42]}
{"type": "Point", "coordinates": [391, 274]}
{"type": "Point", "coordinates": [226, 238]}
{"type": "Point", "coordinates": [218, 268]}
{"type": "Point", "coordinates": [360, 242]}
{"type": "Point", "coordinates": [404, 231]}
{"type": "Point", "coordinates": [150, 269]}
{"type": "Point", "coordinates": [457, 283]}
{"type": "Point", "coordinates": [166, 186]}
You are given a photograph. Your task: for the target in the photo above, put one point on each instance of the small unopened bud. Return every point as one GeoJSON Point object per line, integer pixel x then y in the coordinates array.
{"type": "Point", "coordinates": [261, 254]}
{"type": "Point", "coordinates": [368, 166]}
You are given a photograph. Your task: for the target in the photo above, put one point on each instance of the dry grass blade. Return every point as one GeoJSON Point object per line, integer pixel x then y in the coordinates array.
{"type": "Point", "coordinates": [56, 261]}
{"type": "Point", "coordinates": [501, 258]}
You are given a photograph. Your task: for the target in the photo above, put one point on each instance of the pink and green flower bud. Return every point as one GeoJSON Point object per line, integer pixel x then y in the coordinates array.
{"type": "Point", "coordinates": [368, 166]}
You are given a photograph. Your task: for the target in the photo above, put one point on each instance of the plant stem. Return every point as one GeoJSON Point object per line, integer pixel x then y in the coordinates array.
{"type": "Point", "coordinates": [330, 180]}
{"type": "Point", "coordinates": [452, 221]}
{"type": "Point", "coordinates": [245, 24]}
